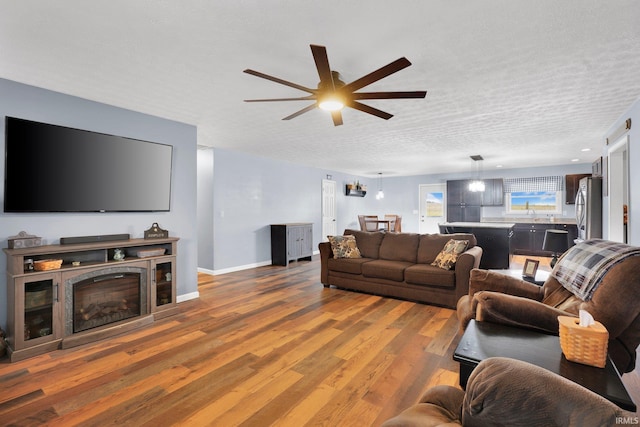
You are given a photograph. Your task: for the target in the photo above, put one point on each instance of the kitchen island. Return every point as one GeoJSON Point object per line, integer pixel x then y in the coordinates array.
{"type": "Point", "coordinates": [493, 237]}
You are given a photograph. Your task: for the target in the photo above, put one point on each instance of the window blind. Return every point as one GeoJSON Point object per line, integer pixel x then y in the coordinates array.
{"type": "Point", "coordinates": [540, 183]}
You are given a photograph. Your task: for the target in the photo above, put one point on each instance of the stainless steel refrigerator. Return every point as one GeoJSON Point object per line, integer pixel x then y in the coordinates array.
{"type": "Point", "coordinates": [589, 208]}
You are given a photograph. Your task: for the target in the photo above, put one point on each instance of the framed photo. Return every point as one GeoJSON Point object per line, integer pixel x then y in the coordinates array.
{"type": "Point", "coordinates": [530, 268]}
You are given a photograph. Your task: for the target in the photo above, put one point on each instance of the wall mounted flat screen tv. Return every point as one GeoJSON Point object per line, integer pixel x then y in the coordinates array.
{"type": "Point", "coordinates": [50, 168]}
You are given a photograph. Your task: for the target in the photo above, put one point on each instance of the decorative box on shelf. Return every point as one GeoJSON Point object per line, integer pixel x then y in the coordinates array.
{"type": "Point", "coordinates": [24, 240]}
{"type": "Point", "coordinates": [155, 232]}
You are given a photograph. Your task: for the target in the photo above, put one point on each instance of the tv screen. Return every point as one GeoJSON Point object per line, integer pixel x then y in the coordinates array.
{"type": "Point", "coordinates": [50, 168]}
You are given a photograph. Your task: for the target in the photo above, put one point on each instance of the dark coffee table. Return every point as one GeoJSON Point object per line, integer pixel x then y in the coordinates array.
{"type": "Point", "coordinates": [482, 340]}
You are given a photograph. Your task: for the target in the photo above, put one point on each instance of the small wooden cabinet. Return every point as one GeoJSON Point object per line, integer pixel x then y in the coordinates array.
{"type": "Point", "coordinates": [291, 242]}
{"type": "Point", "coordinates": [40, 312]}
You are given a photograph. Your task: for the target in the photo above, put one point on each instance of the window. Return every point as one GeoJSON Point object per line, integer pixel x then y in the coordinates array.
{"type": "Point", "coordinates": [534, 202]}
{"type": "Point", "coordinates": [530, 196]}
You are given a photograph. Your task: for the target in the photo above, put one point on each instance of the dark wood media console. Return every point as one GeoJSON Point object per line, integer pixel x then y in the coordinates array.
{"type": "Point", "coordinates": [91, 296]}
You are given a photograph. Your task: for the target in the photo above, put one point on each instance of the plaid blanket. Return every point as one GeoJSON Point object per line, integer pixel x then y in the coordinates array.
{"type": "Point", "coordinates": [583, 266]}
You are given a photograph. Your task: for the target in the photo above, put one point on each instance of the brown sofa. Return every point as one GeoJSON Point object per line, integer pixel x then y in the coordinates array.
{"type": "Point", "coordinates": [399, 265]}
{"type": "Point", "coordinates": [498, 298]}
{"type": "Point", "coordinates": [508, 392]}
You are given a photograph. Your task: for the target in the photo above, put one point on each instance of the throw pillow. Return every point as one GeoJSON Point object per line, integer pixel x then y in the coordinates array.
{"type": "Point", "coordinates": [344, 247]}
{"type": "Point", "coordinates": [448, 256]}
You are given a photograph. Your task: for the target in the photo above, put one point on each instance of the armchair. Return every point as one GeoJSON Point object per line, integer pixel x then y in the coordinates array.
{"type": "Point", "coordinates": [495, 396]}
{"type": "Point", "coordinates": [615, 302]}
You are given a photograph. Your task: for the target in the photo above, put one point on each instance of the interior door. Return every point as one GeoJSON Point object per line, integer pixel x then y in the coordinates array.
{"type": "Point", "coordinates": [433, 207]}
{"type": "Point", "coordinates": [329, 223]}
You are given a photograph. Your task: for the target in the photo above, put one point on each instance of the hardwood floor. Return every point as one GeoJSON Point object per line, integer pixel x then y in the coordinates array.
{"type": "Point", "coordinates": [267, 346]}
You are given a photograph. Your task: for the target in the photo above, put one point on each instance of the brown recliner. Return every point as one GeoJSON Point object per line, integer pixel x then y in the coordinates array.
{"type": "Point", "coordinates": [496, 297]}
{"type": "Point", "coordinates": [508, 392]}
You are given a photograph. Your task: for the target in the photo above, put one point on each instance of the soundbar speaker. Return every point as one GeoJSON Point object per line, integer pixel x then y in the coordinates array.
{"type": "Point", "coordinates": [93, 239]}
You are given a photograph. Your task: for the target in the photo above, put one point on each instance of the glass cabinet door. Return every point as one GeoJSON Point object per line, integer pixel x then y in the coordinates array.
{"type": "Point", "coordinates": [164, 284]}
{"type": "Point", "coordinates": [37, 311]}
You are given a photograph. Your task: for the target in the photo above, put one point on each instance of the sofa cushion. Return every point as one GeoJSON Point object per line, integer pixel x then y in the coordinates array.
{"type": "Point", "coordinates": [399, 247]}
{"type": "Point", "coordinates": [447, 258]}
{"type": "Point", "coordinates": [385, 269]}
{"type": "Point", "coordinates": [368, 242]}
{"type": "Point", "coordinates": [344, 247]}
{"type": "Point", "coordinates": [431, 245]}
{"type": "Point", "coordinates": [425, 274]}
{"type": "Point", "coordinates": [347, 265]}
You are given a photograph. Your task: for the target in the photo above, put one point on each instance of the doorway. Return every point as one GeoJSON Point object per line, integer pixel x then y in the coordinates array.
{"type": "Point", "coordinates": [617, 185]}
{"type": "Point", "coordinates": [329, 223]}
{"type": "Point", "coordinates": [433, 206]}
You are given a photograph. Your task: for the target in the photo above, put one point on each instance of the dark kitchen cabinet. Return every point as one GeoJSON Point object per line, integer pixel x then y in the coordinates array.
{"type": "Point", "coordinates": [463, 213]}
{"type": "Point", "coordinates": [462, 205]}
{"type": "Point", "coordinates": [528, 238]}
{"type": "Point", "coordinates": [495, 241]}
{"type": "Point", "coordinates": [493, 194]}
{"type": "Point", "coordinates": [571, 183]}
{"type": "Point", "coordinates": [458, 193]}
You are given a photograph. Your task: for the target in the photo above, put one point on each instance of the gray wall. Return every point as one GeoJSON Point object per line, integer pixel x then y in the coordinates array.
{"type": "Point", "coordinates": [38, 104]}
{"type": "Point", "coordinates": [251, 192]}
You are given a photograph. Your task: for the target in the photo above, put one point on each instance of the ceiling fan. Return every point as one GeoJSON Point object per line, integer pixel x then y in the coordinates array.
{"type": "Point", "coordinates": [333, 94]}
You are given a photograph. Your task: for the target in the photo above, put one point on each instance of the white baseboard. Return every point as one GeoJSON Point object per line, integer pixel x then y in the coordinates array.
{"type": "Point", "coordinates": [187, 297]}
{"type": "Point", "coordinates": [239, 267]}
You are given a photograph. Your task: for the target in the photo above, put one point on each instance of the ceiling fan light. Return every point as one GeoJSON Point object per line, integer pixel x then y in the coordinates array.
{"type": "Point", "coordinates": [331, 104]}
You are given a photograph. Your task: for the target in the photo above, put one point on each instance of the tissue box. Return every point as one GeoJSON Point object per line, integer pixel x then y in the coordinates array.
{"type": "Point", "coordinates": [586, 345]}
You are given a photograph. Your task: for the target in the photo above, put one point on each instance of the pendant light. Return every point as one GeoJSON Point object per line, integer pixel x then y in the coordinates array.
{"type": "Point", "coordinates": [477, 185]}
{"type": "Point", "coordinates": [380, 194]}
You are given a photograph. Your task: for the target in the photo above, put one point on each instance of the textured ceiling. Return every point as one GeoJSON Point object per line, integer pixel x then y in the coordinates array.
{"type": "Point", "coordinates": [523, 83]}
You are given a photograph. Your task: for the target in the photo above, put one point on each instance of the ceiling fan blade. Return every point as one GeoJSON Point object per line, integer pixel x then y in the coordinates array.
{"type": "Point", "coordinates": [367, 109]}
{"type": "Point", "coordinates": [322, 64]}
{"type": "Point", "coordinates": [302, 98]}
{"type": "Point", "coordinates": [389, 95]}
{"type": "Point", "coordinates": [277, 80]}
{"type": "Point", "coordinates": [297, 113]}
{"type": "Point", "coordinates": [337, 118]}
{"type": "Point", "coordinates": [378, 74]}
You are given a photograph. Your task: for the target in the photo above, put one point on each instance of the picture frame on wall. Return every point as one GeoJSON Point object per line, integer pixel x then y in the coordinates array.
{"type": "Point", "coordinates": [530, 268]}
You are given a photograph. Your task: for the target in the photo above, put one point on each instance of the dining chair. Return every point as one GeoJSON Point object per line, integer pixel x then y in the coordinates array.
{"type": "Point", "coordinates": [395, 225]}
{"type": "Point", "coordinates": [373, 225]}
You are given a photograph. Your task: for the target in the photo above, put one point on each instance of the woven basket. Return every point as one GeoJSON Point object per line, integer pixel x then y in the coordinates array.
{"type": "Point", "coordinates": [586, 345]}
{"type": "Point", "coordinates": [47, 264]}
